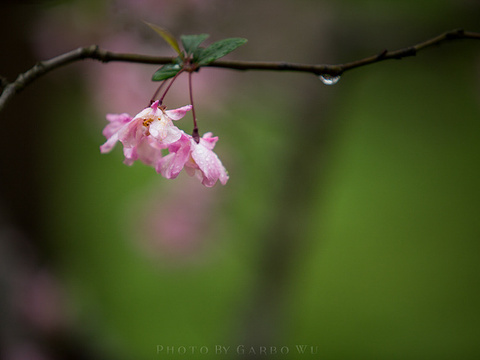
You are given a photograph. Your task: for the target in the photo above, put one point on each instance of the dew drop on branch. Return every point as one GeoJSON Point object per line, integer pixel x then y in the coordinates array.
{"type": "Point", "coordinates": [328, 79]}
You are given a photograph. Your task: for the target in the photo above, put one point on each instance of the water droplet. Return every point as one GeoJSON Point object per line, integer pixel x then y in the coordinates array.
{"type": "Point", "coordinates": [328, 79]}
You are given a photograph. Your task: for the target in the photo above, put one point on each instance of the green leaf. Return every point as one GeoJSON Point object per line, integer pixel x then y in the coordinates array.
{"type": "Point", "coordinates": [218, 50]}
{"type": "Point", "coordinates": [166, 72]}
{"type": "Point", "coordinates": [178, 60]}
{"type": "Point", "coordinates": [169, 38]}
{"type": "Point", "coordinates": [197, 54]}
{"type": "Point", "coordinates": [191, 42]}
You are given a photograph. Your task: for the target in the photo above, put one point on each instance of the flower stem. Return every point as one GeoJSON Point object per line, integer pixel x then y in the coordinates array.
{"type": "Point", "coordinates": [169, 85]}
{"type": "Point", "coordinates": [157, 91]}
{"type": "Point", "coordinates": [195, 134]}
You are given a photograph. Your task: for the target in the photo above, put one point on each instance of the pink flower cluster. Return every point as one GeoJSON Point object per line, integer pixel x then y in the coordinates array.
{"type": "Point", "coordinates": [152, 131]}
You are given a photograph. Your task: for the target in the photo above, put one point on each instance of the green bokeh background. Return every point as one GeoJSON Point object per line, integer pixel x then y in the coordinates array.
{"type": "Point", "coordinates": [366, 191]}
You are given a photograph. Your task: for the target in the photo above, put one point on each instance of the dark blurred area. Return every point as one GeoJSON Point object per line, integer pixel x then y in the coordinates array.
{"type": "Point", "coordinates": [349, 226]}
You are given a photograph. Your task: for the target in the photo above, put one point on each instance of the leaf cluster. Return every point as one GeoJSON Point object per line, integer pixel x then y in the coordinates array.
{"type": "Point", "coordinates": [192, 54]}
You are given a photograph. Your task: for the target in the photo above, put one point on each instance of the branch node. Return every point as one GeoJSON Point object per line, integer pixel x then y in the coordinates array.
{"type": "Point", "coordinates": [455, 34]}
{"type": "Point", "coordinates": [92, 52]}
{"type": "Point", "coordinates": [3, 83]}
{"type": "Point", "coordinates": [382, 54]}
{"type": "Point", "coordinates": [40, 66]}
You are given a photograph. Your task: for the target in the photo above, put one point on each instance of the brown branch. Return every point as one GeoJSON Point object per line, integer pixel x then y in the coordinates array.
{"type": "Point", "coordinates": [412, 50]}
{"type": "Point", "coordinates": [93, 52]}
{"type": "Point", "coordinates": [90, 52]}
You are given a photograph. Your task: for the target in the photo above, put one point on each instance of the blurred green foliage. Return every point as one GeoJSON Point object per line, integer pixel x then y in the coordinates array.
{"type": "Point", "coordinates": [394, 260]}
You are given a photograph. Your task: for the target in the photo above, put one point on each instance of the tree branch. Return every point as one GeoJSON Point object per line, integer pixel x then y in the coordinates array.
{"type": "Point", "coordinates": [93, 52]}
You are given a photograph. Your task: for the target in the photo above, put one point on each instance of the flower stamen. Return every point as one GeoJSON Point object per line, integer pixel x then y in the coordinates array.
{"type": "Point", "coordinates": [147, 122]}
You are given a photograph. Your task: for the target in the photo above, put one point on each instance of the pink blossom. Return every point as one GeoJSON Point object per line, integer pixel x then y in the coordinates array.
{"type": "Point", "coordinates": [153, 121]}
{"type": "Point", "coordinates": [116, 122]}
{"type": "Point", "coordinates": [145, 135]}
{"type": "Point", "coordinates": [205, 163]}
{"type": "Point", "coordinates": [147, 151]}
{"type": "Point", "coordinates": [172, 164]}
{"type": "Point", "coordinates": [198, 159]}
{"type": "Point", "coordinates": [162, 127]}
{"type": "Point", "coordinates": [151, 131]}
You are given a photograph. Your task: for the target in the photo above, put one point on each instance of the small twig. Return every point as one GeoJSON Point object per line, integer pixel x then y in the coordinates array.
{"type": "Point", "coordinates": [412, 50]}
{"type": "Point", "coordinates": [93, 52]}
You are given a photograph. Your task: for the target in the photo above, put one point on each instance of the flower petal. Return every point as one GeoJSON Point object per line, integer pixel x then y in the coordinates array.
{"type": "Point", "coordinates": [173, 134]}
{"type": "Point", "coordinates": [147, 153]}
{"type": "Point", "coordinates": [116, 121]}
{"type": "Point", "coordinates": [154, 105]}
{"type": "Point", "coordinates": [208, 140]}
{"type": "Point", "coordinates": [109, 144]}
{"type": "Point", "coordinates": [159, 128]}
{"type": "Point", "coordinates": [130, 155]}
{"type": "Point", "coordinates": [131, 134]}
{"type": "Point", "coordinates": [147, 113]}
{"type": "Point", "coordinates": [177, 114]}
{"type": "Point", "coordinates": [209, 164]}
{"type": "Point", "coordinates": [172, 164]}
